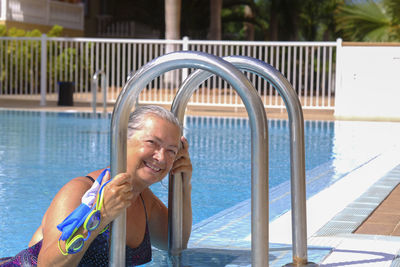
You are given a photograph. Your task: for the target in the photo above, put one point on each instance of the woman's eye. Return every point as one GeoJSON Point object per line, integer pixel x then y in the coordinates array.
{"type": "Point", "coordinates": [172, 152]}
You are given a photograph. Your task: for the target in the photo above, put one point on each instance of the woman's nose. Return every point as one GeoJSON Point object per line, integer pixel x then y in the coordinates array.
{"type": "Point", "coordinates": [159, 154]}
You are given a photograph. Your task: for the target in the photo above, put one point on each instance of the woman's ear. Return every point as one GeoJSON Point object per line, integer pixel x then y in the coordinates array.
{"type": "Point", "coordinates": [181, 142]}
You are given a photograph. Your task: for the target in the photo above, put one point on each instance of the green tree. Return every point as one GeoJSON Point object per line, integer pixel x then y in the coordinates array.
{"type": "Point", "coordinates": [316, 19]}
{"type": "Point", "coordinates": [280, 20]}
{"type": "Point", "coordinates": [301, 20]}
{"type": "Point", "coordinates": [244, 20]}
{"type": "Point", "coordinates": [373, 21]}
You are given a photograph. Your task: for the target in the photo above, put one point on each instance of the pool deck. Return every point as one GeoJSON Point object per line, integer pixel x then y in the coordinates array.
{"type": "Point", "coordinates": [339, 217]}
{"type": "Point", "coordinates": [354, 222]}
{"type": "Point", "coordinates": [13, 102]}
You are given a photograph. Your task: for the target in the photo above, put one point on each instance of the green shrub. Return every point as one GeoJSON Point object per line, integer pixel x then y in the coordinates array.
{"type": "Point", "coordinates": [14, 55]}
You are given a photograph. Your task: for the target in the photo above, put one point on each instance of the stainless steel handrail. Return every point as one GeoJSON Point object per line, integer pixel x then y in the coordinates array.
{"type": "Point", "coordinates": [103, 89]}
{"type": "Point", "coordinates": [297, 150]}
{"type": "Point", "coordinates": [251, 100]}
{"type": "Point", "coordinates": [130, 75]}
{"type": "Point", "coordinates": [259, 137]}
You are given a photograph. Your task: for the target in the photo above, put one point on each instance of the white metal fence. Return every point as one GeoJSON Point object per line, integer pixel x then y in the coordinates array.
{"type": "Point", "coordinates": [33, 67]}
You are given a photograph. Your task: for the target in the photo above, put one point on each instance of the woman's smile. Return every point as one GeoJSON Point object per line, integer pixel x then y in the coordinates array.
{"type": "Point", "coordinates": [152, 166]}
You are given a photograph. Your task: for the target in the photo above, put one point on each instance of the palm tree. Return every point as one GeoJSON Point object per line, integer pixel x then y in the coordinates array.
{"type": "Point", "coordinates": [215, 20]}
{"type": "Point", "coordinates": [369, 20]}
{"type": "Point", "coordinates": [172, 32]}
{"type": "Point", "coordinates": [172, 19]}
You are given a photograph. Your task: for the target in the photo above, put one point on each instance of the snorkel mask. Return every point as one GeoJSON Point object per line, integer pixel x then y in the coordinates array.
{"type": "Point", "coordinates": [87, 213]}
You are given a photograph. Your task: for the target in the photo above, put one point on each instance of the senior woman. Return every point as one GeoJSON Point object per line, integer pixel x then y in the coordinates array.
{"type": "Point", "coordinates": [155, 147]}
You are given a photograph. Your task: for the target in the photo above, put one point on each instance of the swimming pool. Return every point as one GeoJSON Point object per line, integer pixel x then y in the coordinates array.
{"type": "Point", "coordinates": [41, 151]}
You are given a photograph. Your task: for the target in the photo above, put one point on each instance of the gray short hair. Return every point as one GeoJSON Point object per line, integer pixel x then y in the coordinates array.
{"type": "Point", "coordinates": [137, 117]}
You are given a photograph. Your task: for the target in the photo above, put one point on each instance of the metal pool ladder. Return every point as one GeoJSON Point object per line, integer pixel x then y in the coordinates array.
{"type": "Point", "coordinates": [296, 125]}
{"type": "Point", "coordinates": [259, 148]}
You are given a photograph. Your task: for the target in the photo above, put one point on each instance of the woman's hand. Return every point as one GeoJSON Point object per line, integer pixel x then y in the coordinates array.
{"type": "Point", "coordinates": [182, 161]}
{"type": "Point", "coordinates": [118, 195]}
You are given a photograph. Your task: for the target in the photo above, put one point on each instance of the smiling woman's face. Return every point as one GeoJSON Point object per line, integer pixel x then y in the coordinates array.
{"type": "Point", "coordinates": [152, 150]}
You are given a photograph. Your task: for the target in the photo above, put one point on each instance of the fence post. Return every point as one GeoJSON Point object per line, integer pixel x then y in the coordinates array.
{"type": "Point", "coordinates": [43, 70]}
{"type": "Point", "coordinates": [338, 73]}
{"type": "Point", "coordinates": [185, 47]}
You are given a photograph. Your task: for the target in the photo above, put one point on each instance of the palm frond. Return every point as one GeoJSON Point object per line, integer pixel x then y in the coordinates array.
{"type": "Point", "coordinates": [368, 20]}
{"type": "Point", "coordinates": [381, 33]}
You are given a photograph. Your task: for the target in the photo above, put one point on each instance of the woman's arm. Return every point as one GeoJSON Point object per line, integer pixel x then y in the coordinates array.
{"type": "Point", "coordinates": [66, 200]}
{"type": "Point", "coordinates": [117, 197]}
{"type": "Point", "coordinates": [158, 221]}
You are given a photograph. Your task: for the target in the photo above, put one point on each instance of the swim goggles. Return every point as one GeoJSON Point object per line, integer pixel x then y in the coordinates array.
{"type": "Point", "coordinates": [87, 213]}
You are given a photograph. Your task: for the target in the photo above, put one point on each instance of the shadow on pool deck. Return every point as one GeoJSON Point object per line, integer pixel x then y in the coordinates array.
{"type": "Point", "coordinates": [279, 255]}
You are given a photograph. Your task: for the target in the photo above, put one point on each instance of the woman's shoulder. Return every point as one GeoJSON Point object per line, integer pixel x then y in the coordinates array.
{"type": "Point", "coordinates": [76, 185]}
{"type": "Point", "coordinates": [82, 182]}
{"type": "Point", "coordinates": [65, 201]}
{"type": "Point", "coordinates": [74, 189]}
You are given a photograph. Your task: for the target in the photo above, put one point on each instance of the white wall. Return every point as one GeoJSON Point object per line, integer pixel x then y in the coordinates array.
{"type": "Point", "coordinates": [368, 83]}
{"type": "Point", "coordinates": [44, 12]}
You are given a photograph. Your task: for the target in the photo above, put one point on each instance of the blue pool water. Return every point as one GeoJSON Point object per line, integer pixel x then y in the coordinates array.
{"type": "Point", "coordinates": [40, 152]}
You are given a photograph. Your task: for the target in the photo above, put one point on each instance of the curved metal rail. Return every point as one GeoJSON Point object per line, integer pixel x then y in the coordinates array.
{"type": "Point", "coordinates": [297, 151]}
{"type": "Point", "coordinates": [259, 140]}
{"type": "Point", "coordinates": [103, 89]}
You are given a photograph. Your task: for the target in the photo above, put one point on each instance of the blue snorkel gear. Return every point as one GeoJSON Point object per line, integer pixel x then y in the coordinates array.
{"type": "Point", "coordinates": [87, 213]}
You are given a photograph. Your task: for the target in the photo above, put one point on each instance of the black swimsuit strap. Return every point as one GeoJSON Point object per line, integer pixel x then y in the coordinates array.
{"type": "Point", "coordinates": [90, 178]}
{"type": "Point", "coordinates": [144, 206]}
